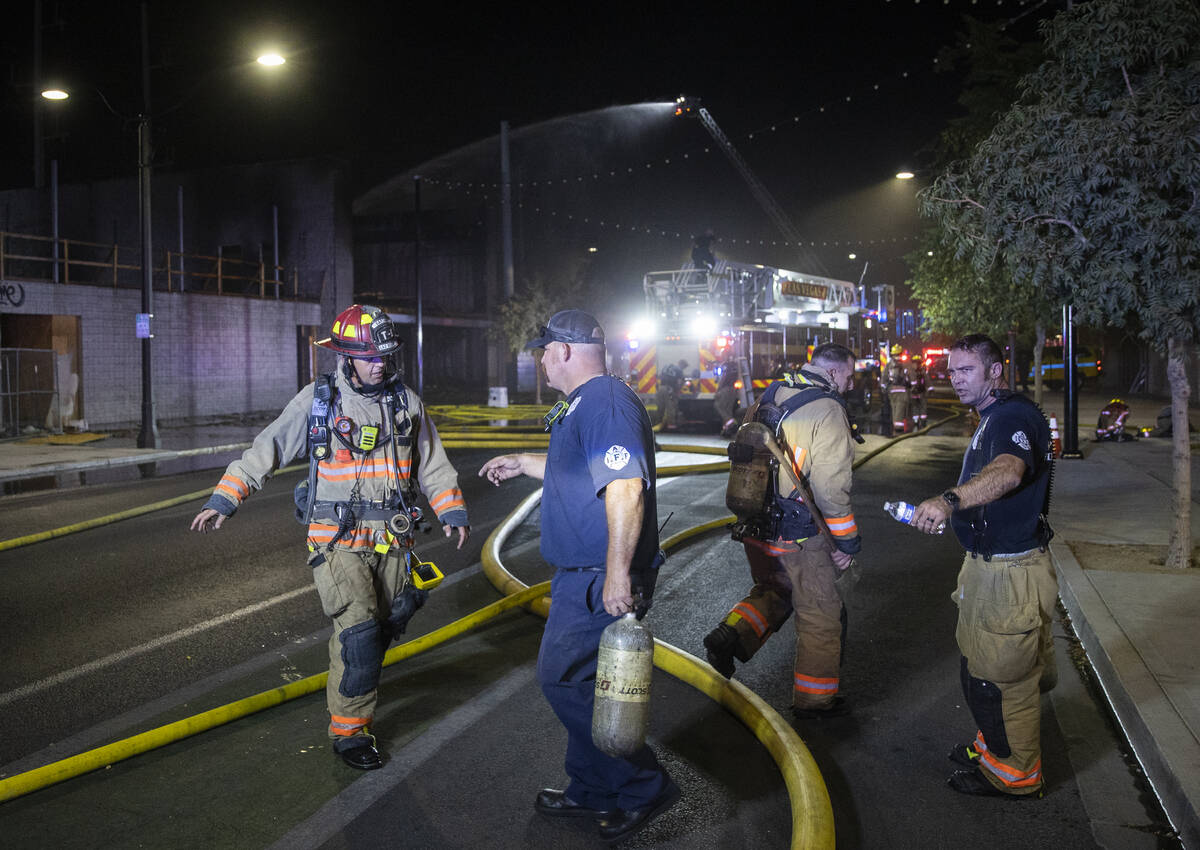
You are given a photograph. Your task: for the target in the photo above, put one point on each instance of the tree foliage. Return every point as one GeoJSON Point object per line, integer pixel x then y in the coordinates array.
{"type": "Point", "coordinates": [1087, 189]}
{"type": "Point", "coordinates": [956, 297]}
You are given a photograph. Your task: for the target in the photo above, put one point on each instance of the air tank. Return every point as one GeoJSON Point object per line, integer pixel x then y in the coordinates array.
{"type": "Point", "coordinates": [621, 713]}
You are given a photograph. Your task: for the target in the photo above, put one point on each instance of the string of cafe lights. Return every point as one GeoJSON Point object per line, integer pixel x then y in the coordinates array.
{"type": "Point", "coordinates": [855, 96]}
{"type": "Point", "coordinates": [665, 232]}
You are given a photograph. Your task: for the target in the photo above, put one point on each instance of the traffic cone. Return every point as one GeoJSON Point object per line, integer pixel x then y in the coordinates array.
{"type": "Point", "coordinates": [1055, 439]}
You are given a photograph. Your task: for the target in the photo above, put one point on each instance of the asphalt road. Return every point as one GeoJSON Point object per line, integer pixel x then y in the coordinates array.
{"type": "Point", "coordinates": [127, 626]}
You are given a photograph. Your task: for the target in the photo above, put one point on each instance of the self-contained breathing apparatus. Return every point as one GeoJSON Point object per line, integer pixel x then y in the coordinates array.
{"type": "Point", "coordinates": [400, 513]}
{"type": "Point", "coordinates": [755, 460]}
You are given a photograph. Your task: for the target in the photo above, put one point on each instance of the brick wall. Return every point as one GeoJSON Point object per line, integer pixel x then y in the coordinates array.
{"type": "Point", "coordinates": [212, 355]}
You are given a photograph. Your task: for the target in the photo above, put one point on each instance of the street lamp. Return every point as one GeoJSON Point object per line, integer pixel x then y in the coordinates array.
{"type": "Point", "coordinates": [148, 435]}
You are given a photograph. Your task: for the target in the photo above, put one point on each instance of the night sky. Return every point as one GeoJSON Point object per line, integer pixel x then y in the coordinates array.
{"type": "Point", "coordinates": [825, 102]}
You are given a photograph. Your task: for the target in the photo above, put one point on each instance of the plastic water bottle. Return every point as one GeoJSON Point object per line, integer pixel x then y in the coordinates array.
{"type": "Point", "coordinates": [903, 512]}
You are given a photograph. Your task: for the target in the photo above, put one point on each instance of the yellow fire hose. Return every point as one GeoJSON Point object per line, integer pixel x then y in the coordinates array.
{"type": "Point", "coordinates": [812, 811]}
{"type": "Point", "coordinates": [68, 768]}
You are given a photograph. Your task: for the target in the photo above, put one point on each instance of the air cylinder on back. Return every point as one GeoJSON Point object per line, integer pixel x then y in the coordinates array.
{"type": "Point", "coordinates": [621, 713]}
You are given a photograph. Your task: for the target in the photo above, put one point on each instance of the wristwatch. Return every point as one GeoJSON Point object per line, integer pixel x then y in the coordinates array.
{"type": "Point", "coordinates": [951, 499]}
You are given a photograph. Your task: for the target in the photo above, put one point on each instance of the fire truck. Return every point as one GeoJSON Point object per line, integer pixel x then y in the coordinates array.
{"type": "Point", "coordinates": [759, 320]}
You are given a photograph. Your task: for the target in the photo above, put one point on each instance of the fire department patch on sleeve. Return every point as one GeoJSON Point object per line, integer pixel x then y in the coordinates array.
{"type": "Point", "coordinates": [616, 457]}
{"type": "Point", "coordinates": [1021, 440]}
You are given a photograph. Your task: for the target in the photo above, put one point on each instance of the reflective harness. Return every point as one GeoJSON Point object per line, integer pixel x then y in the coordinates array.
{"type": "Point", "coordinates": [400, 514]}
{"type": "Point", "coordinates": [773, 514]}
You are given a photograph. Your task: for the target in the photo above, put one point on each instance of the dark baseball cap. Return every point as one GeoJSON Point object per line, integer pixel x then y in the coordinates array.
{"type": "Point", "coordinates": [572, 326]}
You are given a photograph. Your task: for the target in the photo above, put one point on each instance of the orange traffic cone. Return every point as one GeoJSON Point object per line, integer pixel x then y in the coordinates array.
{"type": "Point", "coordinates": [1055, 439]}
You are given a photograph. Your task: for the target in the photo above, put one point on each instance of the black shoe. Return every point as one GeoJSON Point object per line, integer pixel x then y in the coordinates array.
{"type": "Point", "coordinates": [556, 804]}
{"type": "Point", "coordinates": [965, 755]}
{"type": "Point", "coordinates": [623, 824]}
{"type": "Point", "coordinates": [359, 753]}
{"type": "Point", "coordinates": [838, 708]}
{"type": "Point", "coordinates": [975, 783]}
{"type": "Point", "coordinates": [719, 645]}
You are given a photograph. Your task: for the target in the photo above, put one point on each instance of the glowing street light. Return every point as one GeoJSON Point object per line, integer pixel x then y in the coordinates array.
{"type": "Point", "coordinates": [270, 60]}
{"type": "Point", "coordinates": [905, 175]}
{"type": "Point", "coordinates": [55, 94]}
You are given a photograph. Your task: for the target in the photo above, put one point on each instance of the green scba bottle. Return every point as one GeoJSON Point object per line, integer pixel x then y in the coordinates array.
{"type": "Point", "coordinates": [621, 713]}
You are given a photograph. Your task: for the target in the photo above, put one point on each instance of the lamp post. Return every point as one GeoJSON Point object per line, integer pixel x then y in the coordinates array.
{"type": "Point", "coordinates": [148, 433]}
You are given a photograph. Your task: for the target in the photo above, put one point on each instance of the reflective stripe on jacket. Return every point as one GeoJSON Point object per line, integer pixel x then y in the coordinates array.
{"type": "Point", "coordinates": [372, 477]}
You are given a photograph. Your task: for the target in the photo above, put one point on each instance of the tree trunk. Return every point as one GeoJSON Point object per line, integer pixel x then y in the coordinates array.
{"type": "Point", "coordinates": [1038, 347]}
{"type": "Point", "coordinates": [1179, 547]}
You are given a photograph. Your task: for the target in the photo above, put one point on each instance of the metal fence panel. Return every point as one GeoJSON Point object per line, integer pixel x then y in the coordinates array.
{"type": "Point", "coordinates": [29, 400]}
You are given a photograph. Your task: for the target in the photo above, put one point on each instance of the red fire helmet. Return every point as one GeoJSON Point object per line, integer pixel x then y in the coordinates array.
{"type": "Point", "coordinates": [362, 331]}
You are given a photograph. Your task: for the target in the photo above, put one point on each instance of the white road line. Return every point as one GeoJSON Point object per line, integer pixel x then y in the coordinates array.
{"type": "Point", "coordinates": [134, 651]}
{"type": "Point", "coordinates": [342, 810]}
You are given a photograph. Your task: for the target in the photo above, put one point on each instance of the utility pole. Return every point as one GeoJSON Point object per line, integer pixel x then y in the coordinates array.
{"type": "Point", "coordinates": [148, 437]}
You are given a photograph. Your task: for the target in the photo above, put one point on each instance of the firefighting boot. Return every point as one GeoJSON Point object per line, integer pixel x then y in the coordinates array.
{"type": "Point", "coordinates": [720, 645]}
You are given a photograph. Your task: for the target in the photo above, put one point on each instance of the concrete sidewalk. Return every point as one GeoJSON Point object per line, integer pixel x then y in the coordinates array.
{"type": "Point", "coordinates": [1111, 511]}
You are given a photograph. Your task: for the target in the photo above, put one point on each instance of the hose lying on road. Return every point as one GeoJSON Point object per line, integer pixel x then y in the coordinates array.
{"type": "Point", "coordinates": [812, 816]}
{"type": "Point", "coordinates": [77, 765]}
{"type": "Point", "coordinates": [812, 811]}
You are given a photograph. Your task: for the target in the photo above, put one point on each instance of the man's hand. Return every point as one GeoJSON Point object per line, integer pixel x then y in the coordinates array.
{"type": "Point", "coordinates": [464, 531]}
{"type": "Point", "coordinates": [207, 520]}
{"type": "Point", "coordinates": [841, 559]}
{"type": "Point", "coordinates": [931, 515]}
{"type": "Point", "coordinates": [504, 467]}
{"type": "Point", "coordinates": [618, 594]}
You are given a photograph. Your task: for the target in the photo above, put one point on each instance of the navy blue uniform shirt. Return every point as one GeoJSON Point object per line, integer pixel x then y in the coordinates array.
{"type": "Point", "coordinates": [605, 435]}
{"type": "Point", "coordinates": [1015, 426]}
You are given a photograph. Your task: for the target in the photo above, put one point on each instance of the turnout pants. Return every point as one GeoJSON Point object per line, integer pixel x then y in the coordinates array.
{"type": "Point", "coordinates": [356, 590]}
{"type": "Point", "coordinates": [668, 409]}
{"type": "Point", "coordinates": [567, 673]}
{"type": "Point", "coordinates": [899, 399]}
{"type": "Point", "coordinates": [1005, 608]}
{"type": "Point", "coordinates": [795, 579]}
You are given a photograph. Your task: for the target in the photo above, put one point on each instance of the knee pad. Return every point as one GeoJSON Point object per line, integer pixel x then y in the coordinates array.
{"type": "Point", "coordinates": [362, 654]}
{"type": "Point", "coordinates": [986, 703]}
{"type": "Point", "coordinates": [404, 606]}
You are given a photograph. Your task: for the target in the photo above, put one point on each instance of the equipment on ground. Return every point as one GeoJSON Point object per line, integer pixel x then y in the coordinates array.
{"type": "Point", "coordinates": [624, 667]}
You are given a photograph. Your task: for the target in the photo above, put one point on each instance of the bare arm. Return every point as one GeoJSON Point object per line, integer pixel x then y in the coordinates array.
{"type": "Point", "coordinates": [624, 506]}
{"type": "Point", "coordinates": [504, 467]}
{"type": "Point", "coordinates": [997, 478]}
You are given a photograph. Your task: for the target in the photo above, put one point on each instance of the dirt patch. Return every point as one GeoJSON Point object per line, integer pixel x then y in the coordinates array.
{"type": "Point", "coordinates": [1124, 557]}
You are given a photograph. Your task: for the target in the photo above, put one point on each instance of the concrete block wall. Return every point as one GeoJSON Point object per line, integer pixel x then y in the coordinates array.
{"type": "Point", "coordinates": [212, 355]}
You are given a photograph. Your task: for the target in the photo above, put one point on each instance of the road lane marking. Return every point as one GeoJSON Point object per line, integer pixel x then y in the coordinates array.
{"type": "Point", "coordinates": [157, 643]}
{"type": "Point", "coordinates": [344, 809]}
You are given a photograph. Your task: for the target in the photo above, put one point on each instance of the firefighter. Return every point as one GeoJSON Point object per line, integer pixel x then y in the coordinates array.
{"type": "Point", "coordinates": [373, 449]}
{"type": "Point", "coordinates": [918, 387]}
{"type": "Point", "coordinates": [1007, 587]}
{"type": "Point", "coordinates": [895, 380]}
{"type": "Point", "coordinates": [725, 399]}
{"type": "Point", "coordinates": [1111, 423]}
{"type": "Point", "coordinates": [599, 530]}
{"type": "Point", "coordinates": [796, 571]}
{"type": "Point", "coordinates": [670, 384]}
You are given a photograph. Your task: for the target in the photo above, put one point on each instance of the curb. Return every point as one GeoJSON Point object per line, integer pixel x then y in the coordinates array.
{"type": "Point", "coordinates": [1135, 696]}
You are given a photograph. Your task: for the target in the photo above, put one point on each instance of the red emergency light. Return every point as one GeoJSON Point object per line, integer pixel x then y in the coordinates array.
{"type": "Point", "coordinates": [722, 343]}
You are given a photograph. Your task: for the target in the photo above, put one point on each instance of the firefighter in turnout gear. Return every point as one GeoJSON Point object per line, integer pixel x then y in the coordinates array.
{"type": "Point", "coordinates": [1007, 588]}
{"type": "Point", "coordinates": [918, 389]}
{"type": "Point", "coordinates": [800, 569]}
{"type": "Point", "coordinates": [373, 450]}
{"type": "Point", "coordinates": [895, 384]}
